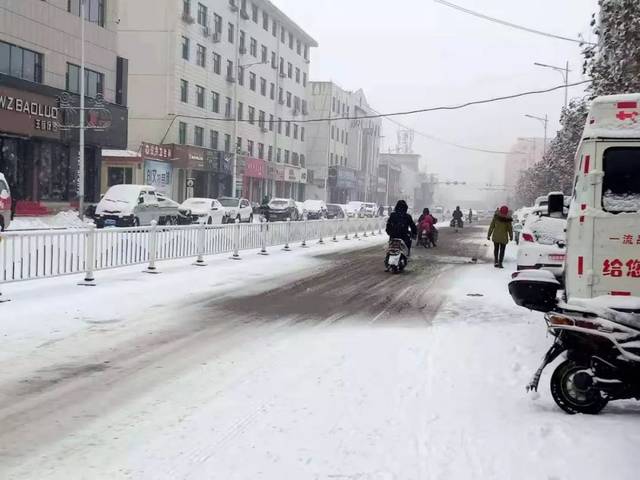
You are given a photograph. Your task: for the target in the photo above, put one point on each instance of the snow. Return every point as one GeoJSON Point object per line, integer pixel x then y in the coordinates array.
{"type": "Point", "coordinates": [605, 120]}
{"type": "Point", "coordinates": [66, 219]}
{"type": "Point", "coordinates": [546, 230]}
{"type": "Point", "coordinates": [537, 276]}
{"type": "Point", "coordinates": [629, 202]}
{"type": "Point", "coordinates": [360, 400]}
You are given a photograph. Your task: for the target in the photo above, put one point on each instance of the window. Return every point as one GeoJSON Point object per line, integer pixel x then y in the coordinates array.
{"type": "Point", "coordinates": [202, 15]}
{"type": "Point", "coordinates": [261, 150]}
{"type": "Point", "coordinates": [287, 131]}
{"type": "Point", "coordinates": [274, 60]}
{"type": "Point", "coordinates": [93, 10]}
{"type": "Point", "coordinates": [185, 48]}
{"type": "Point", "coordinates": [278, 155]}
{"type": "Point", "coordinates": [182, 133]}
{"type": "Point", "coordinates": [291, 40]}
{"type": "Point", "coordinates": [215, 102]}
{"type": "Point", "coordinates": [184, 91]}
{"type": "Point", "coordinates": [331, 159]}
{"type": "Point", "coordinates": [250, 147]}
{"type": "Point", "coordinates": [240, 110]}
{"type": "Point", "coordinates": [342, 136]}
{"type": "Point", "coordinates": [283, 34]}
{"type": "Point", "coordinates": [201, 56]}
{"type": "Point", "coordinates": [289, 70]}
{"type": "Point", "coordinates": [279, 126]}
{"type": "Point", "coordinates": [253, 47]}
{"type": "Point", "coordinates": [333, 104]}
{"type": "Point", "coordinates": [93, 81]}
{"type": "Point", "coordinates": [302, 134]}
{"type": "Point", "coordinates": [261, 118]}
{"type": "Point", "coordinates": [296, 103]}
{"type": "Point", "coordinates": [298, 47]}
{"type": "Point", "coordinates": [213, 139]}
{"type": "Point", "coordinates": [252, 115]}
{"type": "Point", "coordinates": [620, 186]}
{"type": "Point", "coordinates": [227, 108]}
{"type": "Point", "coordinates": [263, 86]}
{"type": "Point", "coordinates": [272, 91]}
{"type": "Point", "coordinates": [306, 52]}
{"type": "Point", "coordinates": [302, 160]}
{"type": "Point", "coordinates": [198, 136]}
{"type": "Point", "coordinates": [289, 99]}
{"type": "Point", "coordinates": [116, 176]}
{"type": "Point", "coordinates": [294, 158]}
{"type": "Point", "coordinates": [217, 23]}
{"type": "Point", "coordinates": [186, 7]}
{"type": "Point", "coordinates": [254, 12]}
{"type": "Point", "coordinates": [274, 28]}
{"type": "Point", "coordinates": [286, 156]}
{"type": "Point", "coordinates": [239, 144]}
{"type": "Point", "coordinates": [346, 138]}
{"type": "Point", "coordinates": [270, 153]}
{"type": "Point", "coordinates": [271, 123]}
{"type": "Point", "coordinates": [21, 63]}
{"type": "Point", "coordinates": [297, 75]}
{"type": "Point", "coordinates": [231, 33]}
{"type": "Point", "coordinates": [200, 96]}
{"type": "Point", "coordinates": [264, 54]}
{"type": "Point", "coordinates": [304, 107]}
{"type": "Point", "coordinates": [333, 129]}
{"type": "Point", "coordinates": [227, 142]}
{"type": "Point", "coordinates": [265, 21]}
{"type": "Point", "coordinates": [295, 131]}
{"type": "Point", "coordinates": [304, 79]}
{"type": "Point", "coordinates": [282, 65]}
{"type": "Point", "coordinates": [229, 69]}
{"type": "Point", "coordinates": [252, 81]}
{"type": "Point", "coordinates": [243, 41]}
{"type": "Point", "coordinates": [240, 75]}
{"type": "Point", "coordinates": [217, 63]}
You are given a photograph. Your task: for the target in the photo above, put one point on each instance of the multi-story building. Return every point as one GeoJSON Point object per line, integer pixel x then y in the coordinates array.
{"type": "Point", "coordinates": [40, 58]}
{"type": "Point", "coordinates": [409, 182]}
{"type": "Point", "coordinates": [524, 154]}
{"type": "Point", "coordinates": [344, 149]}
{"type": "Point", "coordinates": [211, 76]}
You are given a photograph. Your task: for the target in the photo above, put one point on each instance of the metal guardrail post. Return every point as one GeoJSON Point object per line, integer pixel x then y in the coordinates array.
{"type": "Point", "coordinates": [346, 228]}
{"type": "Point", "coordinates": [264, 228]}
{"type": "Point", "coordinates": [380, 226]}
{"type": "Point", "coordinates": [355, 234]}
{"type": "Point", "coordinates": [322, 226]}
{"type": "Point", "coordinates": [153, 231]}
{"type": "Point", "coordinates": [236, 241]}
{"type": "Point", "coordinates": [200, 245]}
{"type": "Point", "coordinates": [287, 248]}
{"type": "Point", "coordinates": [89, 258]}
{"type": "Point", "coordinates": [373, 227]}
{"type": "Point", "coordinates": [304, 235]}
{"type": "Point", "coordinates": [365, 223]}
{"type": "Point", "coordinates": [336, 225]}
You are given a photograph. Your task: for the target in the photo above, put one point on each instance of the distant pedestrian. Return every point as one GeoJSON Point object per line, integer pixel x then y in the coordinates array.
{"type": "Point", "coordinates": [501, 233]}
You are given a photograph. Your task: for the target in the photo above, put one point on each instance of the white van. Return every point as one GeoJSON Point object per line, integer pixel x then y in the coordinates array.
{"type": "Point", "coordinates": [5, 203]}
{"type": "Point", "coordinates": [603, 229]}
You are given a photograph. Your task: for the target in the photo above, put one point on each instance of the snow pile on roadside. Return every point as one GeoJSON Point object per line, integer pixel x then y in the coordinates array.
{"type": "Point", "coordinates": [66, 219]}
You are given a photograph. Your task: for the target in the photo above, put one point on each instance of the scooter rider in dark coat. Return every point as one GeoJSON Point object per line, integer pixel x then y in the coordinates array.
{"type": "Point", "coordinates": [401, 225]}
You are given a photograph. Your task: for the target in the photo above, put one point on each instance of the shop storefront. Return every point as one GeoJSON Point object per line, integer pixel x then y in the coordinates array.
{"type": "Point", "coordinates": [200, 172]}
{"type": "Point", "coordinates": [158, 167]}
{"type": "Point", "coordinates": [343, 183]}
{"type": "Point", "coordinates": [39, 157]}
{"type": "Point", "coordinates": [254, 179]}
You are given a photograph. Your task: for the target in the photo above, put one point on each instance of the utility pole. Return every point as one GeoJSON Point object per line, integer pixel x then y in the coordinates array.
{"type": "Point", "coordinates": [234, 140]}
{"type": "Point", "coordinates": [81, 140]}
{"type": "Point", "coordinates": [545, 122]}
{"type": "Point", "coordinates": [564, 71]}
{"type": "Point", "coordinates": [330, 124]}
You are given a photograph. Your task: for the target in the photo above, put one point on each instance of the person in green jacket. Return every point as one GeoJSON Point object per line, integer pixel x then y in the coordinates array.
{"type": "Point", "coordinates": [501, 233]}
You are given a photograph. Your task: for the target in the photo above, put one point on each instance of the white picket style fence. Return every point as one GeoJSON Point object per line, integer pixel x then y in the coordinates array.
{"type": "Point", "coordinates": [51, 253]}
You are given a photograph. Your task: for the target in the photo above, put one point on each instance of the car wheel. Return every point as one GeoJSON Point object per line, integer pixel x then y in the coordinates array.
{"type": "Point", "coordinates": [251, 218]}
{"type": "Point", "coordinates": [136, 222]}
{"type": "Point", "coordinates": [209, 221]}
{"type": "Point", "coordinates": [239, 218]}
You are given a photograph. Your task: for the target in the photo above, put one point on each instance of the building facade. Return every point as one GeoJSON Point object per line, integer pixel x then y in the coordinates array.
{"type": "Point", "coordinates": [343, 150]}
{"type": "Point", "coordinates": [408, 186]}
{"type": "Point", "coordinates": [40, 57]}
{"type": "Point", "coordinates": [197, 66]}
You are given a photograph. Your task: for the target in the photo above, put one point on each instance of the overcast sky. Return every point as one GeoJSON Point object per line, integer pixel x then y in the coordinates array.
{"type": "Point", "coordinates": [409, 54]}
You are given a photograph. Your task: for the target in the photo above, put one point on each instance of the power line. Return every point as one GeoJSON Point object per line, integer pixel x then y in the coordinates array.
{"type": "Point", "coordinates": [512, 25]}
{"type": "Point", "coordinates": [402, 113]}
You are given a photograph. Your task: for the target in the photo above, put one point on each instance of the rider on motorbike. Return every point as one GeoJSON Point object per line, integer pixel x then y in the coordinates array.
{"type": "Point", "coordinates": [401, 225]}
{"type": "Point", "coordinates": [426, 223]}
{"type": "Point", "coordinates": [457, 217]}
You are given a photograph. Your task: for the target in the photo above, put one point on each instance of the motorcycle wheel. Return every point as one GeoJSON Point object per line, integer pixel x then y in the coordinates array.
{"type": "Point", "coordinates": [569, 397]}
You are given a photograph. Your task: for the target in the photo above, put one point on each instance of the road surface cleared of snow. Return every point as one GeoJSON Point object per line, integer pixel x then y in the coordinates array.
{"type": "Point", "coordinates": [344, 373]}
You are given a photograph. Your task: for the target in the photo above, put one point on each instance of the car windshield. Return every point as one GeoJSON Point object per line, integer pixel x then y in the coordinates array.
{"type": "Point", "coordinates": [196, 202]}
{"type": "Point", "coordinates": [313, 204]}
{"type": "Point", "coordinates": [229, 202]}
{"type": "Point", "coordinates": [122, 194]}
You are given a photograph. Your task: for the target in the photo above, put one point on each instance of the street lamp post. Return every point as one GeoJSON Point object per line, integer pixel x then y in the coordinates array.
{"type": "Point", "coordinates": [545, 122]}
{"type": "Point", "coordinates": [81, 139]}
{"type": "Point", "coordinates": [565, 76]}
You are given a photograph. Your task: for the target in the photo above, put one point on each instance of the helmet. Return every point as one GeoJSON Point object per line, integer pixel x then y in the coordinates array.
{"type": "Point", "coordinates": [504, 210]}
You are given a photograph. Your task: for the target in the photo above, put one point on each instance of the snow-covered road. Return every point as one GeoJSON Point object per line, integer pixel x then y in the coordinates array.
{"type": "Point", "coordinates": [322, 368]}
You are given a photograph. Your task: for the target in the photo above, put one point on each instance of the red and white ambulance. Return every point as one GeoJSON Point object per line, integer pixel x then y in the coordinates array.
{"type": "Point", "coordinates": [603, 227]}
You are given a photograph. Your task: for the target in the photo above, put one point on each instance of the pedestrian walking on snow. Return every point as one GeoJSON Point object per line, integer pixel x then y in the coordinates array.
{"type": "Point", "coordinates": [501, 233]}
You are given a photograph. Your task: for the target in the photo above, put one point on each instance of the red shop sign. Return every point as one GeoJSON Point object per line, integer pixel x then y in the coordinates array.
{"type": "Point", "coordinates": [256, 168]}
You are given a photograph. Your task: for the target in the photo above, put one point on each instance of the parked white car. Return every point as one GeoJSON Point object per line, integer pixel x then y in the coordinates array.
{"type": "Point", "coordinates": [354, 208]}
{"type": "Point", "coordinates": [315, 209]}
{"type": "Point", "coordinates": [543, 244]}
{"type": "Point", "coordinates": [134, 205]}
{"type": "Point", "coordinates": [203, 210]}
{"type": "Point", "coordinates": [5, 203]}
{"type": "Point", "coordinates": [369, 210]}
{"type": "Point", "coordinates": [300, 207]}
{"type": "Point", "coordinates": [236, 209]}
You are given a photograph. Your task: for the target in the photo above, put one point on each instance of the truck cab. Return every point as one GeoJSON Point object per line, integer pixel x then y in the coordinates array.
{"type": "Point", "coordinates": [603, 225]}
